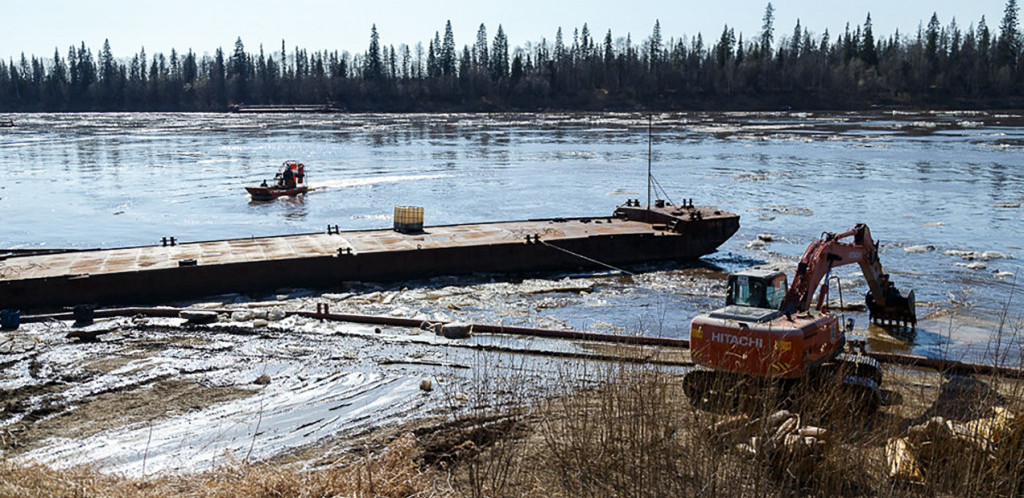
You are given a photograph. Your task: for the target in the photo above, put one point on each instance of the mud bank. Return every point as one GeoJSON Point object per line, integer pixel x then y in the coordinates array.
{"type": "Point", "coordinates": [160, 395]}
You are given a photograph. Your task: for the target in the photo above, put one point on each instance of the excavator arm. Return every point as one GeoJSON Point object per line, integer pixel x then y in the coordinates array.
{"type": "Point", "coordinates": [886, 304]}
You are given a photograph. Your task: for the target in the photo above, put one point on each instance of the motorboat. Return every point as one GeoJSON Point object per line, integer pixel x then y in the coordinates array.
{"type": "Point", "coordinates": [290, 180]}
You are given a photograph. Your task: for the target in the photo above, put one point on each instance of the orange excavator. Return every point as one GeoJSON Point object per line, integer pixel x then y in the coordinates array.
{"type": "Point", "coordinates": [767, 330]}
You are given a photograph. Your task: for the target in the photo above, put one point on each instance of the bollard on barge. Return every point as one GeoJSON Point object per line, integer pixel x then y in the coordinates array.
{"type": "Point", "coordinates": [151, 274]}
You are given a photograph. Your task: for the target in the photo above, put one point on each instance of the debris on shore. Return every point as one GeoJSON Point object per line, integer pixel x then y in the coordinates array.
{"type": "Point", "coordinates": [780, 438]}
{"type": "Point", "coordinates": [977, 442]}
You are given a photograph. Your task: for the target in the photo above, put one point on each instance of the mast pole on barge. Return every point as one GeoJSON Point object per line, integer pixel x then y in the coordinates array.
{"type": "Point", "coordinates": [650, 135]}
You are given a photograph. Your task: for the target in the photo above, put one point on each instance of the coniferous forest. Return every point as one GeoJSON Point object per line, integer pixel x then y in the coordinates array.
{"type": "Point", "coordinates": [943, 65]}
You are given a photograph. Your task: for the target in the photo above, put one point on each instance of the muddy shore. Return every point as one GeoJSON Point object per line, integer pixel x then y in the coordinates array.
{"type": "Point", "coordinates": [139, 396]}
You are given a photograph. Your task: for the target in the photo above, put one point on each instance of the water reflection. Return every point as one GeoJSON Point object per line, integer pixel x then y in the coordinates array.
{"type": "Point", "coordinates": [295, 207]}
{"type": "Point", "coordinates": [289, 207]}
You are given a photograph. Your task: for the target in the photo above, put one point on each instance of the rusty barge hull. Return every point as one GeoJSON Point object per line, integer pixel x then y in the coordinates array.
{"type": "Point", "coordinates": [151, 274]}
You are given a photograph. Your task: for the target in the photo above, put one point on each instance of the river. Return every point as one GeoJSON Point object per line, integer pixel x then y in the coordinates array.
{"type": "Point", "coordinates": [942, 191]}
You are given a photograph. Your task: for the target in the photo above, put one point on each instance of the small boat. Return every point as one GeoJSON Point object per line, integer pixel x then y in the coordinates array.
{"type": "Point", "coordinates": [290, 180]}
{"type": "Point", "coordinates": [7, 124]}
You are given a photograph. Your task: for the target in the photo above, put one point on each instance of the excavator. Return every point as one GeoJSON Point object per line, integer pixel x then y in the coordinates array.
{"type": "Point", "coordinates": [770, 331]}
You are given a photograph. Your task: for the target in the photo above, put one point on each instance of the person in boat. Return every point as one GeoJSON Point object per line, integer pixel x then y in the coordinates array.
{"type": "Point", "coordinates": [287, 178]}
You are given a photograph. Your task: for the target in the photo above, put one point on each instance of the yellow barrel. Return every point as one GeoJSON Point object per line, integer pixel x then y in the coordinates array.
{"type": "Point", "coordinates": [408, 219]}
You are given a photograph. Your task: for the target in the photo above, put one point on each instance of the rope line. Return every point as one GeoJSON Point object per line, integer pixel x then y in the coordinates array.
{"type": "Point", "coordinates": [592, 260]}
{"type": "Point", "coordinates": [658, 186]}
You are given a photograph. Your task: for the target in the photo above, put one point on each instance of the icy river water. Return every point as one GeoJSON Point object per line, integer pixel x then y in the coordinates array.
{"type": "Point", "coordinates": [942, 191]}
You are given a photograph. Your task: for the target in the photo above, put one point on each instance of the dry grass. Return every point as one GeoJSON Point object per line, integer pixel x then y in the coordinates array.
{"type": "Point", "coordinates": [392, 473]}
{"type": "Point", "coordinates": [638, 436]}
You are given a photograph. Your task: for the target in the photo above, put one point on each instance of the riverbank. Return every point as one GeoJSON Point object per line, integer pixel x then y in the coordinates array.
{"type": "Point", "coordinates": [632, 432]}
{"type": "Point", "coordinates": [261, 403]}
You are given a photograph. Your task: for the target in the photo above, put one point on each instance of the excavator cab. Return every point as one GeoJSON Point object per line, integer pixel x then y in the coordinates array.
{"type": "Point", "coordinates": [756, 288]}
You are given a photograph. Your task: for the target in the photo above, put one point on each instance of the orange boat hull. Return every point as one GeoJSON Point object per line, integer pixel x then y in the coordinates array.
{"type": "Point", "coordinates": [271, 193]}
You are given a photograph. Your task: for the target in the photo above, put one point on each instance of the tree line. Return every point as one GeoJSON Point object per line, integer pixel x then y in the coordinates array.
{"type": "Point", "coordinates": [945, 65]}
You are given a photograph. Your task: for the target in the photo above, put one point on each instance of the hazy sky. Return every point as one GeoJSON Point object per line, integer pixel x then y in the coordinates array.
{"type": "Point", "coordinates": [38, 26]}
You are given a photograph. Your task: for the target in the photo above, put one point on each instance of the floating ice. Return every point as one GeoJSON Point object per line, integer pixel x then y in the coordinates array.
{"type": "Point", "coordinates": [972, 266]}
{"type": "Point", "coordinates": [975, 255]}
{"type": "Point", "coordinates": [241, 316]}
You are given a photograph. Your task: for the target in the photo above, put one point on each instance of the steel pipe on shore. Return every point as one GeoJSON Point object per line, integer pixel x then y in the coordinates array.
{"type": "Point", "coordinates": [508, 330]}
{"type": "Point", "coordinates": [947, 366]}
{"type": "Point", "coordinates": [323, 313]}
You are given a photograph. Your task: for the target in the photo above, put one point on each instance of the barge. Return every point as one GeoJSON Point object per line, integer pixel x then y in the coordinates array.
{"type": "Point", "coordinates": [172, 271]}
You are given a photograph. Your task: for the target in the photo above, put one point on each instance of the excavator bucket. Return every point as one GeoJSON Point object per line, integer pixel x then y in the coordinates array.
{"type": "Point", "coordinates": [896, 308]}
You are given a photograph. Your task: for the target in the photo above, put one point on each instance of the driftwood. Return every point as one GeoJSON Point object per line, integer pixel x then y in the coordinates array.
{"type": "Point", "coordinates": [976, 442]}
{"type": "Point", "coordinates": [779, 438]}
{"type": "Point", "coordinates": [199, 316]}
{"type": "Point", "coordinates": [90, 333]}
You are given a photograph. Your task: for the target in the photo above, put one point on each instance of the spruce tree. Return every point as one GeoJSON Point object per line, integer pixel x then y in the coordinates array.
{"type": "Point", "coordinates": [433, 51]}
{"type": "Point", "coordinates": [868, 53]}
{"type": "Point", "coordinates": [1007, 47]}
{"type": "Point", "coordinates": [480, 54]}
{"type": "Point", "coordinates": [499, 55]}
{"type": "Point", "coordinates": [931, 46]}
{"type": "Point", "coordinates": [767, 31]}
{"type": "Point", "coordinates": [448, 51]}
{"type": "Point", "coordinates": [560, 52]}
{"type": "Point", "coordinates": [374, 68]}
{"type": "Point", "coordinates": [587, 44]}
{"type": "Point", "coordinates": [984, 39]}
{"type": "Point", "coordinates": [609, 52]}
{"type": "Point", "coordinates": [794, 41]}
{"type": "Point", "coordinates": [57, 81]}
{"type": "Point", "coordinates": [656, 45]}
{"type": "Point", "coordinates": [216, 78]}
{"type": "Point", "coordinates": [238, 73]}
{"type": "Point", "coordinates": [108, 75]}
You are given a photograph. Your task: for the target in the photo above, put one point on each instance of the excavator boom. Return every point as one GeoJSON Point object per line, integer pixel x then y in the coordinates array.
{"type": "Point", "coordinates": [885, 302]}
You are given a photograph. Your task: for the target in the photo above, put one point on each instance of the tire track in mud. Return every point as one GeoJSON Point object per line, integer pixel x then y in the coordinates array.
{"type": "Point", "coordinates": [321, 385]}
{"type": "Point", "coordinates": [154, 396]}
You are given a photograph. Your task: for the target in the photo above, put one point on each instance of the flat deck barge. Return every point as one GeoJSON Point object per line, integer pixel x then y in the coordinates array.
{"type": "Point", "coordinates": [150, 274]}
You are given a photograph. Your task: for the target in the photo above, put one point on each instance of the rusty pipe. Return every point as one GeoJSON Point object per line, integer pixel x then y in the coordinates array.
{"type": "Point", "coordinates": [323, 313]}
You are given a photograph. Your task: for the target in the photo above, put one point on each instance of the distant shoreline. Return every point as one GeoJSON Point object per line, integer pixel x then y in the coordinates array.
{"type": "Point", "coordinates": [711, 105]}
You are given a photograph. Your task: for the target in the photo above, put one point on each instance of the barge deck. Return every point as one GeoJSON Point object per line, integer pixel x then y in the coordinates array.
{"type": "Point", "coordinates": [150, 274]}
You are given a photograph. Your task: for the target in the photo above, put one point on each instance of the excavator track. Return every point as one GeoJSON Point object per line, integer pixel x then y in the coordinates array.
{"type": "Point", "coordinates": [856, 379]}
{"type": "Point", "coordinates": [859, 365]}
{"type": "Point", "coordinates": [718, 391]}
{"type": "Point", "coordinates": [849, 383]}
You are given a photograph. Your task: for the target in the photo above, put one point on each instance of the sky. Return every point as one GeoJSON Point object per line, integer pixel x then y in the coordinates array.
{"type": "Point", "coordinates": [37, 27]}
